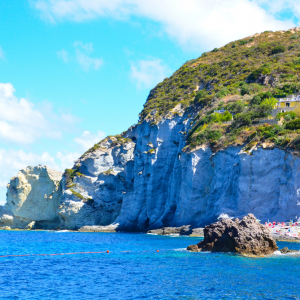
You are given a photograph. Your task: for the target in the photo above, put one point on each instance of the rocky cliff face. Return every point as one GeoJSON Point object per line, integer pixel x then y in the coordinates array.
{"type": "Point", "coordinates": [145, 181]}
{"type": "Point", "coordinates": [33, 198]}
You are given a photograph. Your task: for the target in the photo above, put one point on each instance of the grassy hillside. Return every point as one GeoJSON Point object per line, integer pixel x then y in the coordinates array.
{"type": "Point", "coordinates": [242, 77]}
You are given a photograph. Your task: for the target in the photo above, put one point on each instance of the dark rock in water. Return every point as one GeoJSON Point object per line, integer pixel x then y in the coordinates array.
{"type": "Point", "coordinates": [246, 236]}
{"type": "Point", "coordinates": [183, 230]}
{"type": "Point", "coordinates": [286, 250]}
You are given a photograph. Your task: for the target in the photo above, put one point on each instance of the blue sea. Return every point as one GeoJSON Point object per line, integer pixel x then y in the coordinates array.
{"type": "Point", "coordinates": [133, 269]}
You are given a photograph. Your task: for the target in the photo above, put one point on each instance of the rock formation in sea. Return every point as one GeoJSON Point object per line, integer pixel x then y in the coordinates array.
{"type": "Point", "coordinates": [246, 237]}
{"type": "Point", "coordinates": [33, 198]}
{"type": "Point", "coordinates": [208, 144]}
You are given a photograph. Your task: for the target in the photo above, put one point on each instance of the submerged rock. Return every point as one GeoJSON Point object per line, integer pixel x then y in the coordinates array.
{"type": "Point", "coordinates": [246, 237]}
{"type": "Point", "coordinates": [34, 195]}
{"type": "Point", "coordinates": [286, 250]}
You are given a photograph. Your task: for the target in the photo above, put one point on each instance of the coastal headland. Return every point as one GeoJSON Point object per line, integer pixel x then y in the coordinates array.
{"type": "Point", "coordinates": [218, 139]}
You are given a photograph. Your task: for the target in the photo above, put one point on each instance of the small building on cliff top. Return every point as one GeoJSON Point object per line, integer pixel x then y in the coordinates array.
{"type": "Point", "coordinates": [289, 103]}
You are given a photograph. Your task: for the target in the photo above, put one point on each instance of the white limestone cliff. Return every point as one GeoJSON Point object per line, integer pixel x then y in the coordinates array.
{"type": "Point", "coordinates": [149, 182]}
{"type": "Point", "coordinates": [33, 195]}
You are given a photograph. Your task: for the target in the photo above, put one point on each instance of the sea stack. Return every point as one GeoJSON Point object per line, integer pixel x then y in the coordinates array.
{"type": "Point", "coordinates": [245, 237]}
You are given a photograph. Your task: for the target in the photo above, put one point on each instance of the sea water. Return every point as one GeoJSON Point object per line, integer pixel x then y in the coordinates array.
{"type": "Point", "coordinates": [139, 273]}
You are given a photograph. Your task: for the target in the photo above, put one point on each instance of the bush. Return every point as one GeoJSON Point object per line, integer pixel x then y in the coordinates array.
{"type": "Point", "coordinates": [244, 90]}
{"type": "Point", "coordinates": [288, 116]}
{"type": "Point", "coordinates": [262, 111]}
{"type": "Point", "coordinates": [222, 92]}
{"type": "Point", "coordinates": [215, 50]}
{"type": "Point", "coordinates": [236, 107]}
{"type": "Point", "coordinates": [213, 135]}
{"type": "Point", "coordinates": [217, 117]}
{"type": "Point", "coordinates": [293, 125]}
{"type": "Point", "coordinates": [278, 49]}
{"type": "Point", "coordinates": [201, 95]}
{"type": "Point", "coordinates": [256, 100]}
{"type": "Point", "coordinates": [242, 120]}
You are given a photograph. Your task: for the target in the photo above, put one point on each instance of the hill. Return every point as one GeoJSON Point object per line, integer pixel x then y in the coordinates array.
{"type": "Point", "coordinates": [242, 77]}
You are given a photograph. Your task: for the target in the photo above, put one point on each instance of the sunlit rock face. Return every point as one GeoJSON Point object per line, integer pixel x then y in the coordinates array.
{"type": "Point", "coordinates": [6, 217]}
{"type": "Point", "coordinates": [150, 183]}
{"type": "Point", "coordinates": [95, 195]}
{"type": "Point", "coordinates": [34, 194]}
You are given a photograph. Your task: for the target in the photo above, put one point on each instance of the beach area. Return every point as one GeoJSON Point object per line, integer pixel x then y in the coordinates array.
{"type": "Point", "coordinates": [284, 231]}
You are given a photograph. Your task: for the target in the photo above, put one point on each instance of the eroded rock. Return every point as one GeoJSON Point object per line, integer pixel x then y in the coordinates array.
{"type": "Point", "coordinates": [246, 237]}
{"type": "Point", "coordinates": [286, 250]}
{"type": "Point", "coordinates": [34, 194]}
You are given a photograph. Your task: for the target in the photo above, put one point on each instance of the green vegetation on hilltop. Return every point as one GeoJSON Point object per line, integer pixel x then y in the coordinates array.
{"type": "Point", "coordinates": [245, 78]}
{"type": "Point", "coordinates": [238, 68]}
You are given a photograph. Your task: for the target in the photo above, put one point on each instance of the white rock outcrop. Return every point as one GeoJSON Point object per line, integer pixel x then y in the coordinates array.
{"type": "Point", "coordinates": [34, 194]}
{"type": "Point", "coordinates": [6, 217]}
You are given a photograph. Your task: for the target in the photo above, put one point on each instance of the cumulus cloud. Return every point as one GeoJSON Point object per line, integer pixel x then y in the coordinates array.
{"type": "Point", "coordinates": [190, 22]}
{"type": "Point", "coordinates": [147, 73]}
{"type": "Point", "coordinates": [276, 6]}
{"type": "Point", "coordinates": [82, 56]}
{"type": "Point", "coordinates": [88, 139]}
{"type": "Point", "coordinates": [22, 123]}
{"type": "Point", "coordinates": [11, 161]}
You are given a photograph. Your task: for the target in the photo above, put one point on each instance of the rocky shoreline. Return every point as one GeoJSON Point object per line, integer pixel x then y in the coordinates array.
{"type": "Point", "coordinates": [183, 230]}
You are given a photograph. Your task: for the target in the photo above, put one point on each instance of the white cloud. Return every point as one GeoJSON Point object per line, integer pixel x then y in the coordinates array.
{"type": "Point", "coordinates": [190, 22]}
{"type": "Point", "coordinates": [1, 53]}
{"type": "Point", "coordinates": [82, 56]}
{"type": "Point", "coordinates": [67, 159]}
{"type": "Point", "coordinates": [276, 6]}
{"type": "Point", "coordinates": [63, 55]}
{"type": "Point", "coordinates": [22, 123]}
{"type": "Point", "coordinates": [88, 140]}
{"type": "Point", "coordinates": [12, 161]}
{"type": "Point", "coordinates": [147, 73]}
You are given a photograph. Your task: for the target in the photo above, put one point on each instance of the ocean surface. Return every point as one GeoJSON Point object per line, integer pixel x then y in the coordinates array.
{"type": "Point", "coordinates": [139, 273]}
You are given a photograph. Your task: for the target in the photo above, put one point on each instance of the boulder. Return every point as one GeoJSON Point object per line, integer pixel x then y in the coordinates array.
{"type": "Point", "coordinates": [5, 228]}
{"type": "Point", "coordinates": [34, 194]}
{"type": "Point", "coordinates": [286, 250]}
{"type": "Point", "coordinates": [246, 237]}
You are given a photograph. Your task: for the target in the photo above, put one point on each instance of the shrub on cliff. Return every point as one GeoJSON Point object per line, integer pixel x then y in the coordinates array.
{"type": "Point", "coordinates": [293, 125]}
{"type": "Point", "coordinates": [278, 49]}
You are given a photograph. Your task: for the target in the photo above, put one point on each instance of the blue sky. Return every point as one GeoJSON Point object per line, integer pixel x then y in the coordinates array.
{"type": "Point", "coordinates": [74, 71]}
